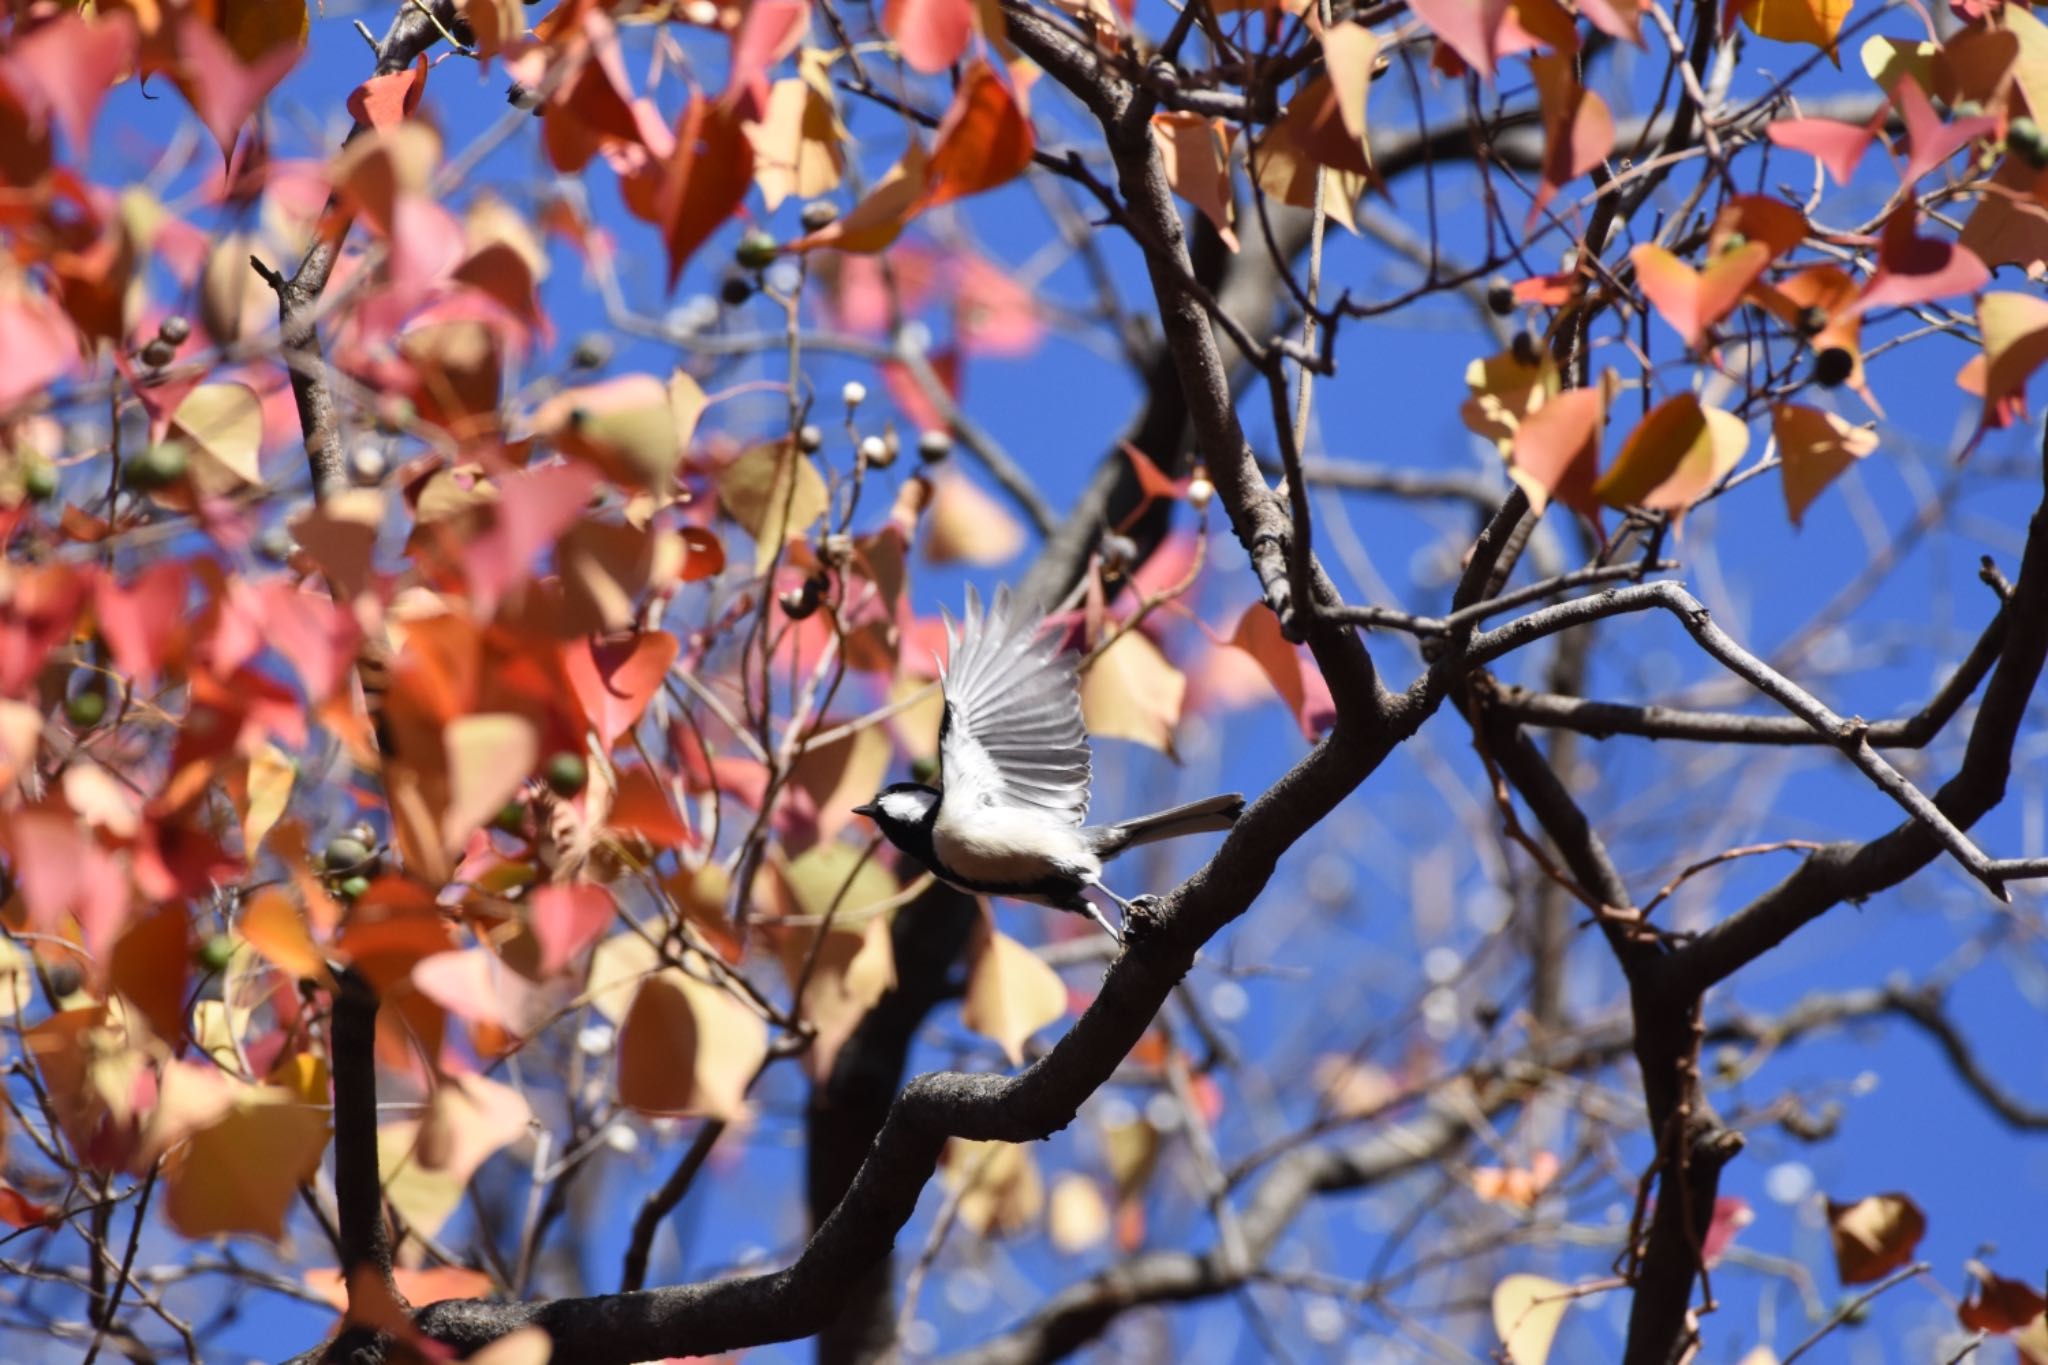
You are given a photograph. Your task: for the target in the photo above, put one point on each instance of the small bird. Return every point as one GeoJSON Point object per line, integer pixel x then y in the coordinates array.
{"type": "Point", "coordinates": [1007, 817]}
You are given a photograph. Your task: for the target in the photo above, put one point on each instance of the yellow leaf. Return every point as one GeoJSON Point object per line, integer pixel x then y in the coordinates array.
{"type": "Point", "coordinates": [2031, 71]}
{"type": "Point", "coordinates": [1814, 447]}
{"type": "Point", "coordinates": [825, 874]}
{"type": "Point", "coordinates": [1818, 22]}
{"type": "Point", "coordinates": [2015, 332]}
{"type": "Point", "coordinates": [854, 967]}
{"type": "Point", "coordinates": [17, 979]}
{"type": "Point", "coordinates": [1505, 392]}
{"type": "Point", "coordinates": [424, 1197]}
{"type": "Point", "coordinates": [1676, 454]}
{"type": "Point", "coordinates": [966, 525]}
{"type": "Point", "coordinates": [999, 1185]}
{"type": "Point", "coordinates": [489, 757]}
{"type": "Point", "coordinates": [1887, 60]}
{"type": "Point", "coordinates": [221, 426]}
{"type": "Point", "coordinates": [840, 775]}
{"type": "Point", "coordinates": [242, 1173]}
{"type": "Point", "coordinates": [527, 1346]}
{"type": "Point", "coordinates": [688, 1047]}
{"type": "Point", "coordinates": [1131, 1151]}
{"type": "Point", "coordinates": [1131, 692]}
{"type": "Point", "coordinates": [1011, 993]}
{"type": "Point", "coordinates": [1526, 1312]}
{"type": "Point", "coordinates": [271, 772]}
{"type": "Point", "coordinates": [1195, 153]}
{"type": "Point", "coordinates": [1350, 52]}
{"type": "Point", "coordinates": [774, 492]}
{"type": "Point", "coordinates": [469, 1118]}
{"type": "Point", "coordinates": [626, 426]}
{"type": "Point", "coordinates": [617, 967]}
{"type": "Point", "coordinates": [1078, 1217]}
{"type": "Point", "coordinates": [21, 732]}
{"type": "Point", "coordinates": [796, 144]}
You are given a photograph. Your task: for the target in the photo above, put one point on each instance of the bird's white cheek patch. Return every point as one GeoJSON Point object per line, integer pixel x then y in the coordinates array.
{"type": "Point", "coordinates": [904, 807]}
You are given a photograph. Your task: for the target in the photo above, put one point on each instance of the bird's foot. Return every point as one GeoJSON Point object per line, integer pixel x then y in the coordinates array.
{"type": "Point", "coordinates": [1142, 917]}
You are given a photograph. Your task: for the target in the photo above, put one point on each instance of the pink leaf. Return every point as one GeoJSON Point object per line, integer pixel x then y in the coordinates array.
{"type": "Point", "coordinates": [1912, 269]}
{"type": "Point", "coordinates": [931, 34]}
{"type": "Point", "coordinates": [72, 64]}
{"type": "Point", "coordinates": [475, 984]}
{"type": "Point", "coordinates": [566, 920]}
{"type": "Point", "coordinates": [140, 621]}
{"type": "Point", "coordinates": [533, 508]}
{"type": "Point", "coordinates": [1731, 1215]}
{"type": "Point", "coordinates": [223, 92]}
{"type": "Point", "coordinates": [1838, 146]}
{"type": "Point", "coordinates": [770, 32]}
{"type": "Point", "coordinates": [1470, 28]}
{"type": "Point", "coordinates": [1929, 140]}
{"type": "Point", "coordinates": [38, 346]}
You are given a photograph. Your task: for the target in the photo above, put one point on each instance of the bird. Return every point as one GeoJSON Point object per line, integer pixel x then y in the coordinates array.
{"type": "Point", "coordinates": [1008, 817]}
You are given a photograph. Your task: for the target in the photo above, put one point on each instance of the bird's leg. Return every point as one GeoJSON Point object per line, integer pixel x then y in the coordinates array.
{"type": "Point", "coordinates": [1094, 911]}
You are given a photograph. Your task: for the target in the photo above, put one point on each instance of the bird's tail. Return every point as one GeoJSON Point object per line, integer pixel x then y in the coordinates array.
{"type": "Point", "coordinates": [1197, 817]}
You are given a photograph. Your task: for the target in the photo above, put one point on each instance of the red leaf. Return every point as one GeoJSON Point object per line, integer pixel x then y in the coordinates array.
{"type": "Point", "coordinates": [142, 621]}
{"type": "Point", "coordinates": [17, 1210]}
{"type": "Point", "coordinates": [705, 181]}
{"type": "Point", "coordinates": [568, 919]}
{"type": "Point", "coordinates": [387, 101]}
{"type": "Point", "coordinates": [641, 806]}
{"type": "Point", "coordinates": [318, 637]}
{"type": "Point", "coordinates": [222, 91]}
{"type": "Point", "coordinates": [931, 34]}
{"type": "Point", "coordinates": [1913, 269]}
{"type": "Point", "coordinates": [615, 680]}
{"type": "Point", "coordinates": [1997, 1304]}
{"type": "Point", "coordinates": [60, 870]}
{"type": "Point", "coordinates": [984, 141]}
{"type": "Point", "coordinates": [1152, 480]}
{"type": "Point", "coordinates": [36, 617]}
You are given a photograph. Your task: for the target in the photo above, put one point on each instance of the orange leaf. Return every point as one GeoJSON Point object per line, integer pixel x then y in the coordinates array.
{"type": "Point", "coordinates": [705, 180]}
{"type": "Point", "coordinates": [383, 101]}
{"type": "Point", "coordinates": [1557, 451]}
{"type": "Point", "coordinates": [984, 141]}
{"type": "Point", "coordinates": [1294, 676]}
{"type": "Point", "coordinates": [272, 924]}
{"type": "Point", "coordinates": [1997, 1304]}
{"type": "Point", "coordinates": [1814, 447]}
{"type": "Point", "coordinates": [242, 1173]}
{"type": "Point", "coordinates": [148, 966]}
{"type": "Point", "coordinates": [615, 680]}
{"type": "Point", "coordinates": [1195, 152]}
{"type": "Point", "coordinates": [687, 1047]}
{"type": "Point", "coordinates": [1578, 130]}
{"type": "Point", "coordinates": [566, 920]}
{"type": "Point", "coordinates": [1874, 1236]}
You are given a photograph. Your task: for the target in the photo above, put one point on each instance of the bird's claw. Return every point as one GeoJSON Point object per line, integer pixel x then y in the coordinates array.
{"type": "Point", "coordinates": [1142, 917]}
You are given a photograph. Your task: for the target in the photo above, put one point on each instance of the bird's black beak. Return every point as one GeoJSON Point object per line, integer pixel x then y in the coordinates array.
{"type": "Point", "coordinates": [868, 809]}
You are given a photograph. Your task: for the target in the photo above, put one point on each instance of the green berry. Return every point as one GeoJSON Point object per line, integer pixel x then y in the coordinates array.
{"type": "Point", "coordinates": [735, 290]}
{"type": "Point", "coordinates": [567, 773]}
{"type": "Point", "coordinates": [756, 250]}
{"type": "Point", "coordinates": [1735, 242]}
{"type": "Point", "coordinates": [345, 851]}
{"type": "Point", "coordinates": [85, 709]}
{"type": "Point", "coordinates": [354, 888]}
{"type": "Point", "coordinates": [1832, 367]}
{"type": "Point", "coordinates": [2024, 136]}
{"type": "Point", "coordinates": [39, 480]}
{"type": "Point", "coordinates": [215, 953]}
{"type": "Point", "coordinates": [512, 818]}
{"type": "Point", "coordinates": [924, 769]}
{"type": "Point", "coordinates": [157, 467]}
{"type": "Point", "coordinates": [1813, 320]}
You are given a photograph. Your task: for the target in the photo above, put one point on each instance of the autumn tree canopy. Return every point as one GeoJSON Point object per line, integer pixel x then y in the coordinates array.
{"type": "Point", "coordinates": [479, 502]}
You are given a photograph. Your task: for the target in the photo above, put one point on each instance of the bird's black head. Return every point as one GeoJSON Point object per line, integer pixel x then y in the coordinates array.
{"type": "Point", "coordinates": [905, 811]}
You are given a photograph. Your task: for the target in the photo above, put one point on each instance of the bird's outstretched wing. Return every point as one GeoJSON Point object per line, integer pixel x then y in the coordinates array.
{"type": "Point", "coordinates": [1012, 733]}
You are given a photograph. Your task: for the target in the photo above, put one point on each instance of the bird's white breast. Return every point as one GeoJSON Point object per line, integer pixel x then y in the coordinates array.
{"type": "Point", "coordinates": [1003, 846]}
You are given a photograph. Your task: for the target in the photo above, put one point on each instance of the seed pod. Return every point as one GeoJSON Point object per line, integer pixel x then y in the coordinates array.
{"type": "Point", "coordinates": [819, 214]}
{"type": "Point", "coordinates": [1500, 297]}
{"type": "Point", "coordinates": [1833, 366]}
{"type": "Point", "coordinates": [934, 445]}
{"type": "Point", "coordinates": [174, 329]}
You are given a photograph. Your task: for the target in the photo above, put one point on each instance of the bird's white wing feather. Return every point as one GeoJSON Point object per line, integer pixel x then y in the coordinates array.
{"type": "Point", "coordinates": [1012, 734]}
